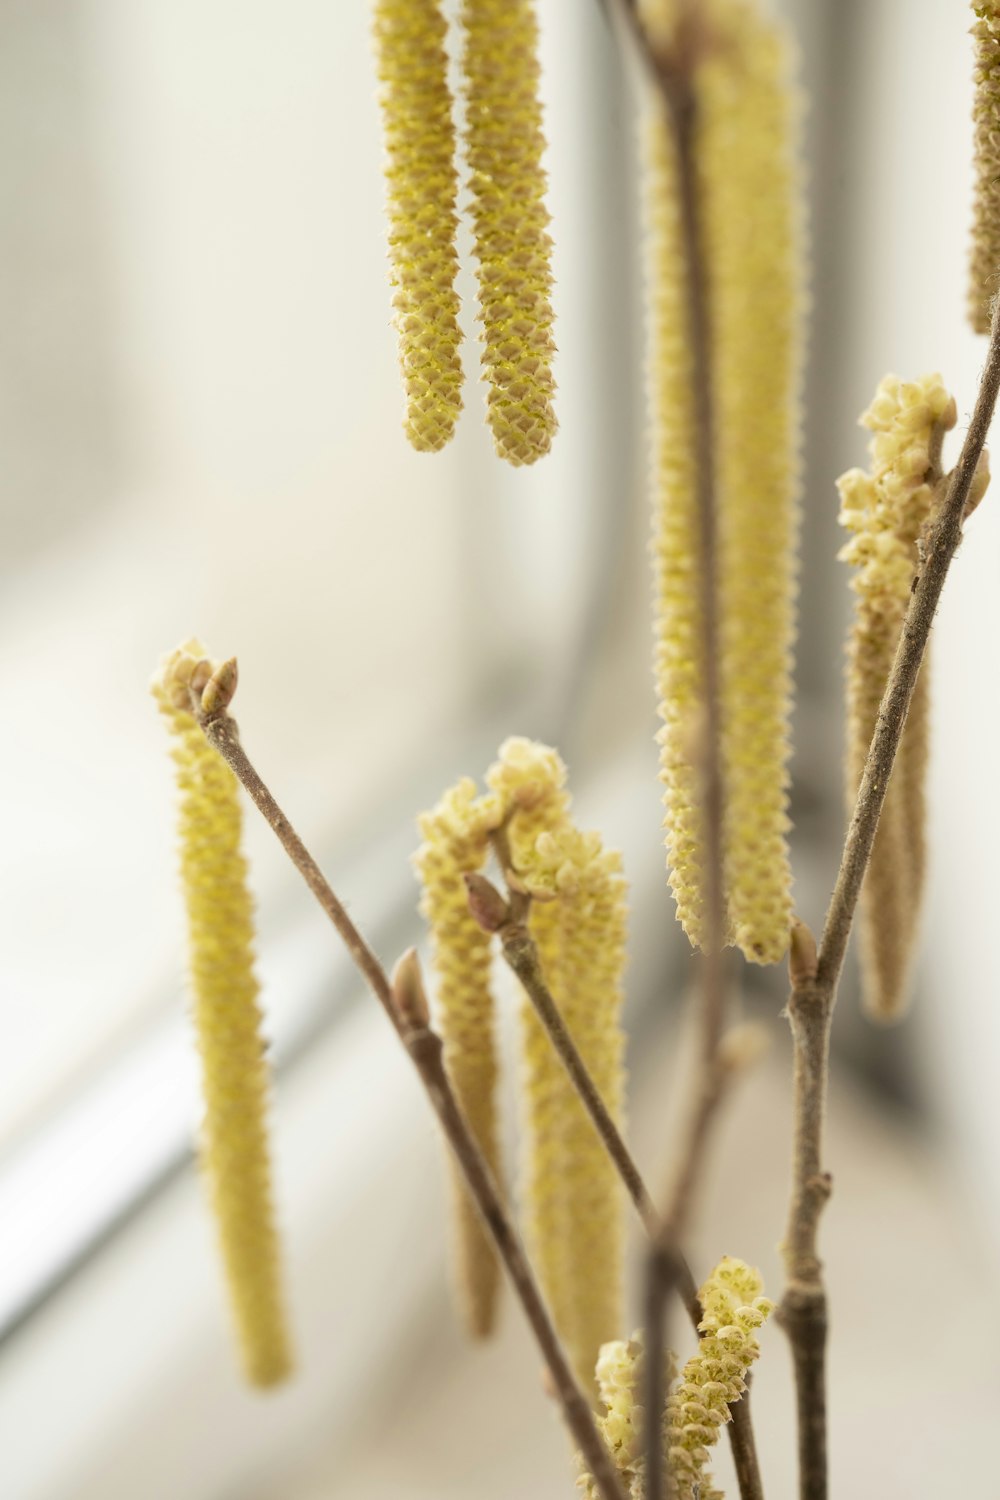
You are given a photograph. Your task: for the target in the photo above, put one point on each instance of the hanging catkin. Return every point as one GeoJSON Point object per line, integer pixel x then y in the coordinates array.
{"type": "Point", "coordinates": [984, 277]}
{"type": "Point", "coordinates": [455, 838]}
{"type": "Point", "coordinates": [887, 510]}
{"type": "Point", "coordinates": [750, 242]}
{"type": "Point", "coordinates": [234, 1152]}
{"type": "Point", "coordinates": [504, 145]}
{"type": "Point", "coordinates": [422, 187]}
{"type": "Point", "coordinates": [698, 1406]}
{"type": "Point", "coordinates": [573, 1200]}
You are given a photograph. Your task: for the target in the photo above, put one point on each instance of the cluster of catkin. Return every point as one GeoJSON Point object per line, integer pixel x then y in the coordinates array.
{"type": "Point", "coordinates": [750, 251]}
{"type": "Point", "coordinates": [234, 1150]}
{"type": "Point", "coordinates": [888, 511]}
{"type": "Point", "coordinates": [504, 146]}
{"type": "Point", "coordinates": [698, 1406]}
{"type": "Point", "coordinates": [573, 1204]}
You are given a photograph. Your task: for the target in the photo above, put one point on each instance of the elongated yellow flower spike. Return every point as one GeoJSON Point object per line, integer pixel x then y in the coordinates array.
{"type": "Point", "coordinates": [504, 144]}
{"type": "Point", "coordinates": [422, 185]}
{"type": "Point", "coordinates": [234, 1152]}
{"type": "Point", "coordinates": [699, 1404]}
{"type": "Point", "coordinates": [622, 1422]}
{"type": "Point", "coordinates": [984, 281]}
{"type": "Point", "coordinates": [573, 1201]}
{"type": "Point", "coordinates": [751, 238]}
{"type": "Point", "coordinates": [456, 842]}
{"type": "Point", "coordinates": [886, 511]}
{"type": "Point", "coordinates": [574, 877]}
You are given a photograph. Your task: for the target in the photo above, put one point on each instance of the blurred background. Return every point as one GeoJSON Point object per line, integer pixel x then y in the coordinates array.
{"type": "Point", "coordinates": [200, 427]}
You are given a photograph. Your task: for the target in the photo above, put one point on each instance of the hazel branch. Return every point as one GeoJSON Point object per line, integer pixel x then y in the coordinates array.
{"type": "Point", "coordinates": [508, 919]}
{"type": "Point", "coordinates": [424, 1049]}
{"type": "Point", "coordinates": [815, 975]}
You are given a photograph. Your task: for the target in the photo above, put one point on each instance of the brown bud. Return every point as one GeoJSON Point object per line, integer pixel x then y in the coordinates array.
{"type": "Point", "coordinates": [802, 954]}
{"type": "Point", "coordinates": [408, 994]}
{"type": "Point", "coordinates": [486, 904]}
{"type": "Point", "coordinates": [218, 691]}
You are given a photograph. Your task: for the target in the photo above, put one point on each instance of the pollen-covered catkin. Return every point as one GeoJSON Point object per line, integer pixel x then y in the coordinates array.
{"type": "Point", "coordinates": [751, 246]}
{"type": "Point", "coordinates": [752, 238]}
{"type": "Point", "coordinates": [455, 842]}
{"type": "Point", "coordinates": [234, 1151]}
{"type": "Point", "coordinates": [504, 144]}
{"type": "Point", "coordinates": [586, 887]}
{"type": "Point", "coordinates": [886, 510]}
{"type": "Point", "coordinates": [573, 1200]}
{"type": "Point", "coordinates": [677, 662]}
{"type": "Point", "coordinates": [698, 1405]}
{"type": "Point", "coordinates": [422, 188]}
{"type": "Point", "coordinates": [984, 278]}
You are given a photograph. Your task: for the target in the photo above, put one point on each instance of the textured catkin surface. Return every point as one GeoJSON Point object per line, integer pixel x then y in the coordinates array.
{"type": "Point", "coordinates": [592, 962]}
{"type": "Point", "coordinates": [751, 238]}
{"type": "Point", "coordinates": [885, 510]}
{"type": "Point", "coordinates": [753, 244]}
{"type": "Point", "coordinates": [504, 146]}
{"type": "Point", "coordinates": [234, 1149]}
{"type": "Point", "coordinates": [455, 841]}
{"type": "Point", "coordinates": [573, 1203]}
{"type": "Point", "coordinates": [422, 187]}
{"type": "Point", "coordinates": [985, 260]}
{"type": "Point", "coordinates": [677, 658]}
{"type": "Point", "coordinates": [698, 1405]}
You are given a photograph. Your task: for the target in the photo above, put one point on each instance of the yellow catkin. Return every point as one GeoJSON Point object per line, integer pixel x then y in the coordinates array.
{"type": "Point", "coordinates": [985, 259]}
{"type": "Point", "coordinates": [234, 1151]}
{"type": "Point", "coordinates": [573, 1201]}
{"type": "Point", "coordinates": [504, 144]}
{"type": "Point", "coordinates": [698, 1405]}
{"type": "Point", "coordinates": [588, 892]}
{"type": "Point", "coordinates": [455, 838]}
{"type": "Point", "coordinates": [886, 511]}
{"type": "Point", "coordinates": [751, 238]}
{"type": "Point", "coordinates": [422, 187]}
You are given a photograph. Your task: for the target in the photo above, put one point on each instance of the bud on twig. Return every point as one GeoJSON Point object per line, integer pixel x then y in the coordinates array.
{"type": "Point", "coordinates": [221, 686]}
{"type": "Point", "coordinates": [486, 904]}
{"type": "Point", "coordinates": [802, 954]}
{"type": "Point", "coordinates": [409, 997]}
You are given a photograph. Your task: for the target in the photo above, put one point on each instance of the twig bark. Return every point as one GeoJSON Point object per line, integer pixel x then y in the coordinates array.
{"type": "Point", "coordinates": [744, 1446]}
{"type": "Point", "coordinates": [815, 977]}
{"type": "Point", "coordinates": [425, 1051]}
{"type": "Point", "coordinates": [508, 919]}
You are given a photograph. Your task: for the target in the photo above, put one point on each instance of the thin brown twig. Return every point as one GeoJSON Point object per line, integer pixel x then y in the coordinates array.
{"type": "Point", "coordinates": [815, 977]}
{"type": "Point", "coordinates": [509, 920]}
{"type": "Point", "coordinates": [425, 1051]}
{"type": "Point", "coordinates": [744, 1446]}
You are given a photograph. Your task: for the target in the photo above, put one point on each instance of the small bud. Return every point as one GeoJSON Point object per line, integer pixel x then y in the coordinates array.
{"type": "Point", "coordinates": [486, 904]}
{"type": "Point", "coordinates": [218, 691]}
{"type": "Point", "coordinates": [802, 954]}
{"type": "Point", "coordinates": [979, 486]}
{"type": "Point", "coordinates": [408, 994]}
